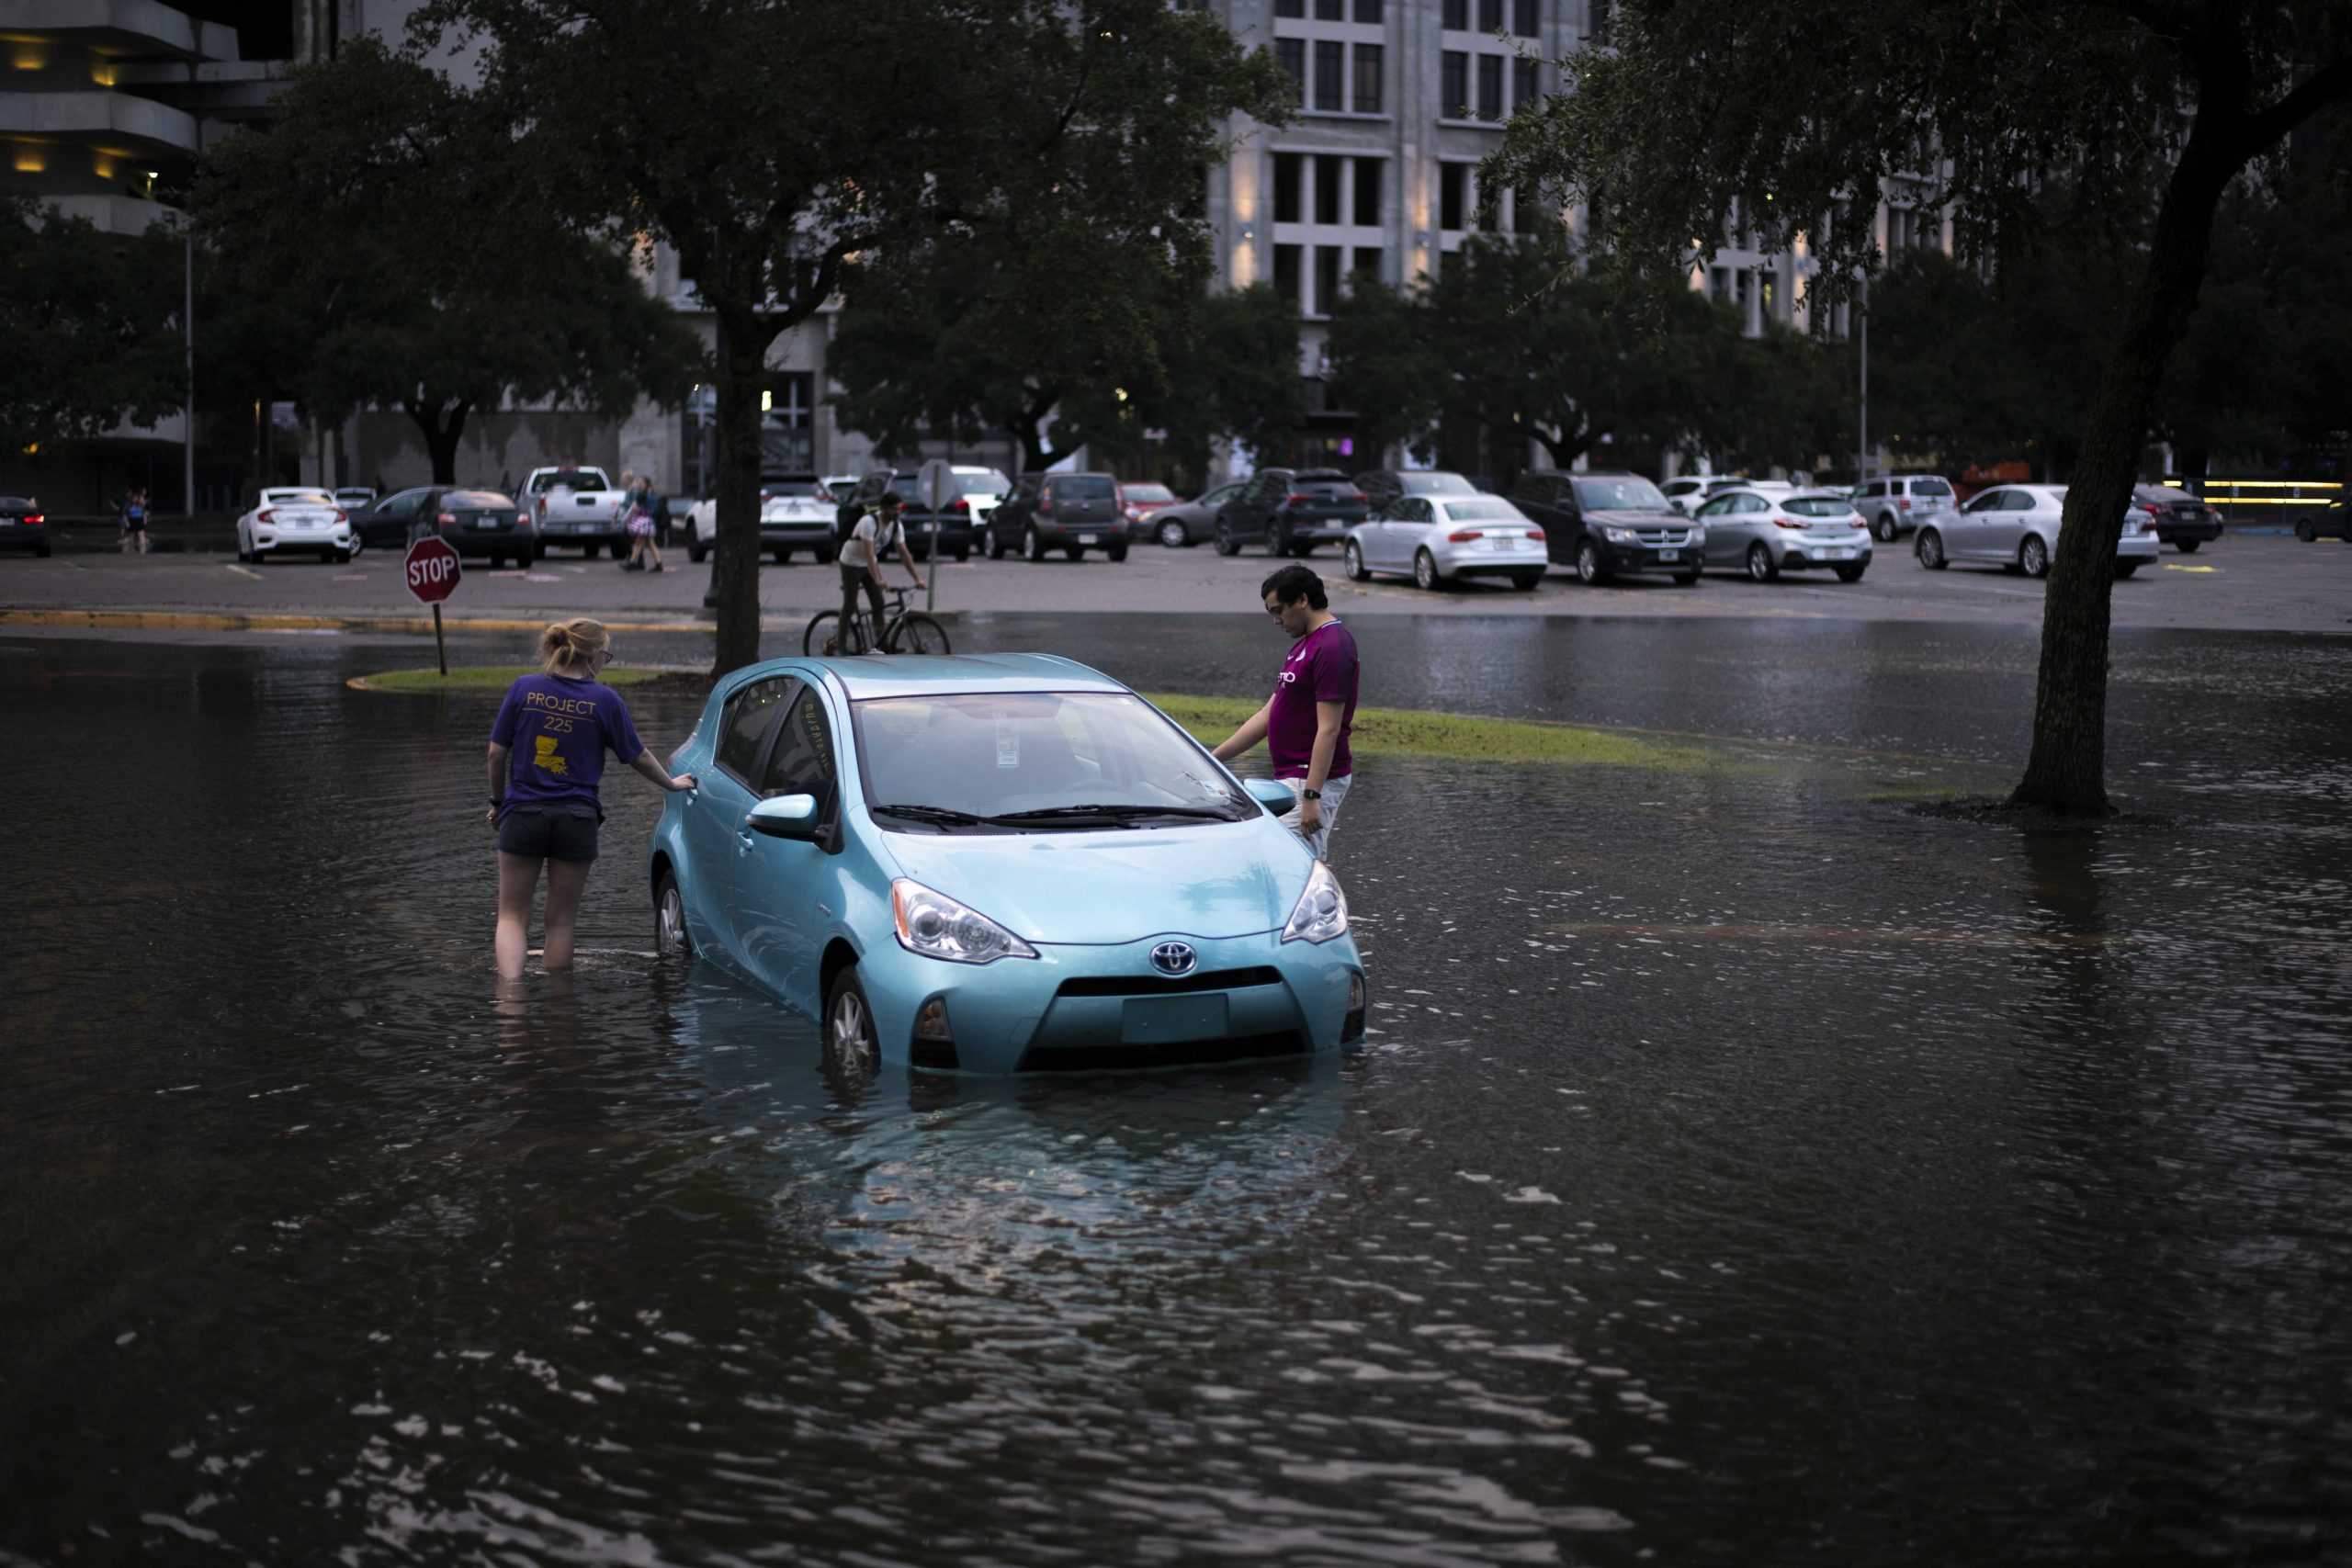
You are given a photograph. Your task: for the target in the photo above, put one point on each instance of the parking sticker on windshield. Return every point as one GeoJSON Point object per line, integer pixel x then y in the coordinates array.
{"type": "Point", "coordinates": [1008, 744]}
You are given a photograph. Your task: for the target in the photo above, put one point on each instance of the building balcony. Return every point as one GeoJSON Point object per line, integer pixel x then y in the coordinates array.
{"type": "Point", "coordinates": [118, 29]}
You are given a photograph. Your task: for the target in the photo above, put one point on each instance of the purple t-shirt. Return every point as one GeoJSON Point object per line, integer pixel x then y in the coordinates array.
{"type": "Point", "coordinates": [1321, 668]}
{"type": "Point", "coordinates": [559, 728]}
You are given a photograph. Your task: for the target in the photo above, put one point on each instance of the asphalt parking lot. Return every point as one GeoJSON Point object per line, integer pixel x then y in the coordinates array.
{"type": "Point", "coordinates": [2246, 581]}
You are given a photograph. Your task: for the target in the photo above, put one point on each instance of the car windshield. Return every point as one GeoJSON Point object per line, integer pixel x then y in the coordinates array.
{"type": "Point", "coordinates": [1032, 761]}
{"type": "Point", "coordinates": [569, 479]}
{"type": "Point", "coordinates": [1629, 494]}
{"type": "Point", "coordinates": [475, 499]}
{"type": "Point", "coordinates": [1485, 511]}
{"type": "Point", "coordinates": [1818, 506]}
{"type": "Point", "coordinates": [298, 498]}
{"type": "Point", "coordinates": [1436, 484]}
{"type": "Point", "coordinates": [989, 484]}
{"type": "Point", "coordinates": [1150, 492]}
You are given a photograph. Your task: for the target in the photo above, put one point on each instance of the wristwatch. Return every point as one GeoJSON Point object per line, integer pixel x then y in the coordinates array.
{"type": "Point", "coordinates": [497, 800]}
{"type": "Point", "coordinates": [1311, 794]}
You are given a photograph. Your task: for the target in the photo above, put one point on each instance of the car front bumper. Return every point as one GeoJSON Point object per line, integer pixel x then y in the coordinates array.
{"type": "Point", "coordinates": [1104, 1006]}
{"type": "Point", "coordinates": [1619, 558]}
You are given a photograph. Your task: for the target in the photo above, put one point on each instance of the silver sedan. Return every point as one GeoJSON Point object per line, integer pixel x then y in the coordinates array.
{"type": "Point", "coordinates": [1444, 539]}
{"type": "Point", "coordinates": [1767, 532]}
{"type": "Point", "coordinates": [2016, 526]}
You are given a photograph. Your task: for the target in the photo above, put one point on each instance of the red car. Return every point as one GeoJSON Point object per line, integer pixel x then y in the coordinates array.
{"type": "Point", "coordinates": [1138, 501]}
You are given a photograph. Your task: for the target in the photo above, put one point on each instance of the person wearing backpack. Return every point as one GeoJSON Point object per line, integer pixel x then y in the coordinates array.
{"type": "Point", "coordinates": [869, 538]}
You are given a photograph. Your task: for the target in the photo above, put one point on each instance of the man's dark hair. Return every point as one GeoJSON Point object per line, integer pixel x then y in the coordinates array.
{"type": "Point", "coordinates": [1293, 583]}
{"type": "Point", "coordinates": [890, 501]}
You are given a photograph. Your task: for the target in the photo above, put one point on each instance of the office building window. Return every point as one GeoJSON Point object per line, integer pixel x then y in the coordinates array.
{"type": "Point", "coordinates": [1326, 277]}
{"type": "Point", "coordinates": [1287, 272]}
{"type": "Point", "coordinates": [1369, 260]}
{"type": "Point", "coordinates": [1453, 86]}
{"type": "Point", "coordinates": [1527, 213]}
{"type": "Point", "coordinates": [1328, 171]}
{"type": "Point", "coordinates": [1290, 53]}
{"type": "Point", "coordinates": [1367, 211]}
{"type": "Point", "coordinates": [1367, 64]}
{"type": "Point", "coordinates": [1525, 87]}
{"type": "Point", "coordinates": [1330, 10]}
{"type": "Point", "coordinates": [1527, 17]}
{"type": "Point", "coordinates": [1329, 83]}
{"type": "Point", "coordinates": [1457, 15]}
{"type": "Point", "coordinates": [1286, 178]}
{"type": "Point", "coordinates": [1452, 194]}
{"type": "Point", "coordinates": [1596, 20]}
{"type": "Point", "coordinates": [1290, 7]}
{"type": "Point", "coordinates": [1490, 15]}
{"type": "Point", "coordinates": [1370, 11]}
{"type": "Point", "coordinates": [1490, 86]}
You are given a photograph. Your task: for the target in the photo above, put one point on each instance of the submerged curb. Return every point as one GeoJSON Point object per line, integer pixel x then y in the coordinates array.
{"type": "Point", "coordinates": [421, 625]}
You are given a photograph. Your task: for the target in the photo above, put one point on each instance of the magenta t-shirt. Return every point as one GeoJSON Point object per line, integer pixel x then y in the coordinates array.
{"type": "Point", "coordinates": [1321, 668]}
{"type": "Point", "coordinates": [559, 729]}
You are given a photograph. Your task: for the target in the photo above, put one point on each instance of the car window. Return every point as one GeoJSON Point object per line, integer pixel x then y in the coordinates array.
{"type": "Point", "coordinates": [1816, 506]}
{"type": "Point", "coordinates": [1875, 487]}
{"type": "Point", "coordinates": [745, 723]}
{"type": "Point", "coordinates": [1084, 487]}
{"type": "Point", "coordinates": [569, 479]}
{"type": "Point", "coordinates": [802, 763]}
{"type": "Point", "coordinates": [1628, 494]}
{"type": "Point", "coordinates": [1717, 507]}
{"type": "Point", "coordinates": [2023, 500]}
{"type": "Point", "coordinates": [1989, 501]}
{"type": "Point", "coordinates": [989, 484]}
{"type": "Point", "coordinates": [1150, 492]}
{"type": "Point", "coordinates": [1929, 487]}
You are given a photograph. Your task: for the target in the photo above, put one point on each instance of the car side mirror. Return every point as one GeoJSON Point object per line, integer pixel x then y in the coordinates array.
{"type": "Point", "coordinates": [784, 816]}
{"type": "Point", "coordinates": [1271, 794]}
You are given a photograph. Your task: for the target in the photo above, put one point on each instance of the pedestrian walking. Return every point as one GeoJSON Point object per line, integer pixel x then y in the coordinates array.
{"type": "Point", "coordinates": [861, 562]}
{"type": "Point", "coordinates": [134, 523]}
{"type": "Point", "coordinates": [1306, 722]}
{"type": "Point", "coordinates": [547, 760]}
{"type": "Point", "coordinates": [636, 518]}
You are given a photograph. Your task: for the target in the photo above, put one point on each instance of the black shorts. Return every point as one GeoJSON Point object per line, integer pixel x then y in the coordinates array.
{"type": "Point", "coordinates": [548, 835]}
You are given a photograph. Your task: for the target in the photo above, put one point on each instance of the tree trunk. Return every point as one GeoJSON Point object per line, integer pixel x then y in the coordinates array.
{"type": "Point", "coordinates": [2066, 770]}
{"type": "Point", "coordinates": [444, 425]}
{"type": "Point", "coordinates": [742, 354]}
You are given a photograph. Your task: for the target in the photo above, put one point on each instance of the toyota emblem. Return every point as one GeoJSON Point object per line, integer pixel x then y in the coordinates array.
{"type": "Point", "coordinates": [1174, 958]}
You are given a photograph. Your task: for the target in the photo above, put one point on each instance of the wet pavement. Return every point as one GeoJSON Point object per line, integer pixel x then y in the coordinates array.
{"type": "Point", "coordinates": [1742, 1169]}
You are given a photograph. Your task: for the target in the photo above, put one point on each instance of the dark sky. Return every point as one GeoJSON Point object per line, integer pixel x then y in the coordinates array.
{"type": "Point", "coordinates": [265, 29]}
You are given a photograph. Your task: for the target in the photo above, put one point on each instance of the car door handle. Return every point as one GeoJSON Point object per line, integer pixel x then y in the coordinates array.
{"type": "Point", "coordinates": [743, 842]}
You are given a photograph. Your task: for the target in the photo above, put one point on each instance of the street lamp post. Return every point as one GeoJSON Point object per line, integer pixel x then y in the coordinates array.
{"type": "Point", "coordinates": [1863, 461]}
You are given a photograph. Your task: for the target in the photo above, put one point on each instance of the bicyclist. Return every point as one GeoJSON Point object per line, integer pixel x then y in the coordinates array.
{"type": "Point", "coordinates": [861, 562]}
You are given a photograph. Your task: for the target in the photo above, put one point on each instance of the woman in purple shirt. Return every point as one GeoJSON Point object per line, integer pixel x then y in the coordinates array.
{"type": "Point", "coordinates": [546, 755]}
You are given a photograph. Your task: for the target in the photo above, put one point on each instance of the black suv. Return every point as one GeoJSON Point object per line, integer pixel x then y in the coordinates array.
{"type": "Point", "coordinates": [1603, 524]}
{"type": "Point", "coordinates": [1070, 512]}
{"type": "Point", "coordinates": [1385, 485]}
{"type": "Point", "coordinates": [1291, 510]}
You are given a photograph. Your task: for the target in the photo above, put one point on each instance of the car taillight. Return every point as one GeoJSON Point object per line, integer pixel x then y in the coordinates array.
{"type": "Point", "coordinates": [446, 520]}
{"type": "Point", "coordinates": [543, 507]}
{"type": "Point", "coordinates": [36, 518]}
{"type": "Point", "coordinates": [959, 505]}
{"type": "Point", "coordinates": [523, 520]}
{"type": "Point", "coordinates": [342, 516]}
{"type": "Point", "coordinates": [1536, 534]}
{"type": "Point", "coordinates": [1045, 509]}
{"type": "Point", "coordinates": [265, 514]}
{"type": "Point", "coordinates": [1788, 522]}
{"type": "Point", "coordinates": [1464, 536]}
{"type": "Point", "coordinates": [1297, 499]}
{"type": "Point", "coordinates": [1359, 495]}
{"type": "Point", "coordinates": [2152, 509]}
{"type": "Point", "coordinates": [1903, 504]}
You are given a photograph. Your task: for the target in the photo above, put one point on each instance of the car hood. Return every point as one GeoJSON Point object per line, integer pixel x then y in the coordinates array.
{"type": "Point", "coordinates": [1219, 879]}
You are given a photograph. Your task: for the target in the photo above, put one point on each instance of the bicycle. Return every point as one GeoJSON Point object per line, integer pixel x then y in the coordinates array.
{"type": "Point", "coordinates": [906, 631]}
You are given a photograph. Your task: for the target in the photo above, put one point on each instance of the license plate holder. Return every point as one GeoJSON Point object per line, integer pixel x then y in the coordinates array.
{"type": "Point", "coordinates": [485, 522]}
{"type": "Point", "coordinates": [1669, 554]}
{"type": "Point", "coordinates": [1167, 1020]}
{"type": "Point", "coordinates": [1090, 539]}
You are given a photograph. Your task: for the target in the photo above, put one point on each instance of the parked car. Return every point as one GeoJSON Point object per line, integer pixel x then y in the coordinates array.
{"type": "Point", "coordinates": [1609, 524]}
{"type": "Point", "coordinates": [1444, 539]}
{"type": "Point", "coordinates": [794, 515]}
{"type": "Point", "coordinates": [1685, 493]}
{"type": "Point", "coordinates": [1765, 533]}
{"type": "Point", "coordinates": [2176, 517]}
{"type": "Point", "coordinates": [1002, 864]}
{"type": "Point", "coordinates": [2016, 526]}
{"type": "Point", "coordinates": [1189, 521]}
{"type": "Point", "coordinates": [1898, 504]}
{"type": "Point", "coordinates": [1070, 512]}
{"type": "Point", "coordinates": [979, 492]}
{"type": "Point", "coordinates": [23, 525]}
{"type": "Point", "coordinates": [354, 499]}
{"type": "Point", "coordinates": [575, 504]}
{"type": "Point", "coordinates": [390, 523]}
{"type": "Point", "coordinates": [954, 522]}
{"type": "Point", "coordinates": [1381, 486]}
{"type": "Point", "coordinates": [480, 522]}
{"type": "Point", "coordinates": [2332, 522]}
{"type": "Point", "coordinates": [301, 519]}
{"type": "Point", "coordinates": [1291, 510]}
{"type": "Point", "coordinates": [1139, 501]}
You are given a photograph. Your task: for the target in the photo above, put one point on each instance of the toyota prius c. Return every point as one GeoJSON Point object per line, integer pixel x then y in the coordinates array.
{"type": "Point", "coordinates": [1000, 863]}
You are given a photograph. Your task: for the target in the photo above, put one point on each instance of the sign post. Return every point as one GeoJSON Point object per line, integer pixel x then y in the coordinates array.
{"type": "Point", "coordinates": [432, 572]}
{"type": "Point", "coordinates": [936, 486]}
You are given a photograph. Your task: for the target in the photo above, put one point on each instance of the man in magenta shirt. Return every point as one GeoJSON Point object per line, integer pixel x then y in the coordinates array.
{"type": "Point", "coordinates": [1305, 723]}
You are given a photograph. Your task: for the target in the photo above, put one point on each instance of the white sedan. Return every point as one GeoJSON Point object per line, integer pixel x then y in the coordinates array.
{"type": "Point", "coordinates": [296, 518]}
{"type": "Point", "coordinates": [1442, 538]}
{"type": "Point", "coordinates": [2016, 526]}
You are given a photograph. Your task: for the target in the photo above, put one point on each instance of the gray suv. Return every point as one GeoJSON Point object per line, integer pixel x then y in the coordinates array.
{"type": "Point", "coordinates": [1898, 503]}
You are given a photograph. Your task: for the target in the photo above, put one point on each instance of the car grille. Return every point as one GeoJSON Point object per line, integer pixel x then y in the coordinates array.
{"type": "Point", "coordinates": [1189, 1054]}
{"type": "Point", "coordinates": [1669, 536]}
{"type": "Point", "coordinates": [1162, 986]}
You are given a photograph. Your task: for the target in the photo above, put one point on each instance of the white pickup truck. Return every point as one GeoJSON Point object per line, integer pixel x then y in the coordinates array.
{"type": "Point", "coordinates": [575, 505]}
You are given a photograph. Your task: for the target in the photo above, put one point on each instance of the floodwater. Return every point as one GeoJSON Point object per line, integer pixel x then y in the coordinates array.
{"type": "Point", "coordinates": [1742, 1169]}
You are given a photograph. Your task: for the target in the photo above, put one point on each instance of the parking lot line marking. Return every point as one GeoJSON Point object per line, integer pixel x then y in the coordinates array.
{"type": "Point", "coordinates": [243, 572]}
{"type": "Point", "coordinates": [2171, 566]}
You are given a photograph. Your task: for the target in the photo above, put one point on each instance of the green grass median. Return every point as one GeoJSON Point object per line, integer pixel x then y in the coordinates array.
{"type": "Point", "coordinates": [478, 678]}
{"type": "Point", "coordinates": [1409, 732]}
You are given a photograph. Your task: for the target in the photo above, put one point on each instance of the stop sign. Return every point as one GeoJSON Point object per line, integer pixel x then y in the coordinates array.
{"type": "Point", "coordinates": [431, 570]}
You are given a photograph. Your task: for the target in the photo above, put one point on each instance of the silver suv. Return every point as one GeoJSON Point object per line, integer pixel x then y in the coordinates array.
{"type": "Point", "coordinates": [1898, 503]}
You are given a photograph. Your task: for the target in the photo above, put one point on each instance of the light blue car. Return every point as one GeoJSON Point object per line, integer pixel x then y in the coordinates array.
{"type": "Point", "coordinates": [997, 865]}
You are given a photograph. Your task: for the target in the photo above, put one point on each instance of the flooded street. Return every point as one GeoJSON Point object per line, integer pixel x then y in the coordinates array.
{"type": "Point", "coordinates": [1741, 1168]}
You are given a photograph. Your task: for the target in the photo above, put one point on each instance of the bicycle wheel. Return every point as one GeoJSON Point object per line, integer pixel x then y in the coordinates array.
{"type": "Point", "coordinates": [820, 633]}
{"type": "Point", "coordinates": [917, 633]}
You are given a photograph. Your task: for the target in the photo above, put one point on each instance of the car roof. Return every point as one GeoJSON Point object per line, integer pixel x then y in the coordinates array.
{"type": "Point", "coordinates": [910, 675]}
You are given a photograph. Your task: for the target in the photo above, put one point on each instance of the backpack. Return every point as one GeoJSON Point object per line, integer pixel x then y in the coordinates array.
{"type": "Point", "coordinates": [846, 518]}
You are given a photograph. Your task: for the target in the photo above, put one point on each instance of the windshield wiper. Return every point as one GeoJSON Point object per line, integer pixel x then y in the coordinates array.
{"type": "Point", "coordinates": [937, 816]}
{"type": "Point", "coordinates": [1117, 811]}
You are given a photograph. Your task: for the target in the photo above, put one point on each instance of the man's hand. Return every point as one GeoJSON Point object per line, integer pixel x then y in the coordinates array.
{"type": "Point", "coordinates": [918, 584]}
{"type": "Point", "coordinates": [1310, 818]}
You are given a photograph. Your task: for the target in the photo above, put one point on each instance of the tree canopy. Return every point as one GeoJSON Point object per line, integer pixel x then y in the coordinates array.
{"type": "Point", "coordinates": [93, 327]}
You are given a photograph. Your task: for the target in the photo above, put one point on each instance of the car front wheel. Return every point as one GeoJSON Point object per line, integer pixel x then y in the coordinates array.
{"type": "Point", "coordinates": [1885, 529]}
{"type": "Point", "coordinates": [1174, 536]}
{"type": "Point", "coordinates": [1352, 559]}
{"type": "Point", "coordinates": [1930, 550]}
{"type": "Point", "coordinates": [1227, 544]}
{"type": "Point", "coordinates": [1589, 567]}
{"type": "Point", "coordinates": [670, 938]}
{"type": "Point", "coordinates": [853, 1049]}
{"type": "Point", "coordinates": [2124, 569]}
{"type": "Point", "coordinates": [2033, 557]}
{"type": "Point", "coordinates": [1761, 567]}
{"type": "Point", "coordinates": [2305, 532]}
{"type": "Point", "coordinates": [1033, 544]}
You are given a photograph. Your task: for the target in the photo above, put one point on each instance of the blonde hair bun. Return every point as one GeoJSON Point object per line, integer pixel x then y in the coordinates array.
{"type": "Point", "coordinates": [572, 645]}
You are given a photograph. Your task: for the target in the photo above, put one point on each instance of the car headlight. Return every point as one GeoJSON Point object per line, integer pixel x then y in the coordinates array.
{"type": "Point", "coordinates": [1620, 535]}
{"type": "Point", "coordinates": [1322, 909]}
{"type": "Point", "coordinates": [1698, 536]}
{"type": "Point", "coordinates": [932, 924]}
